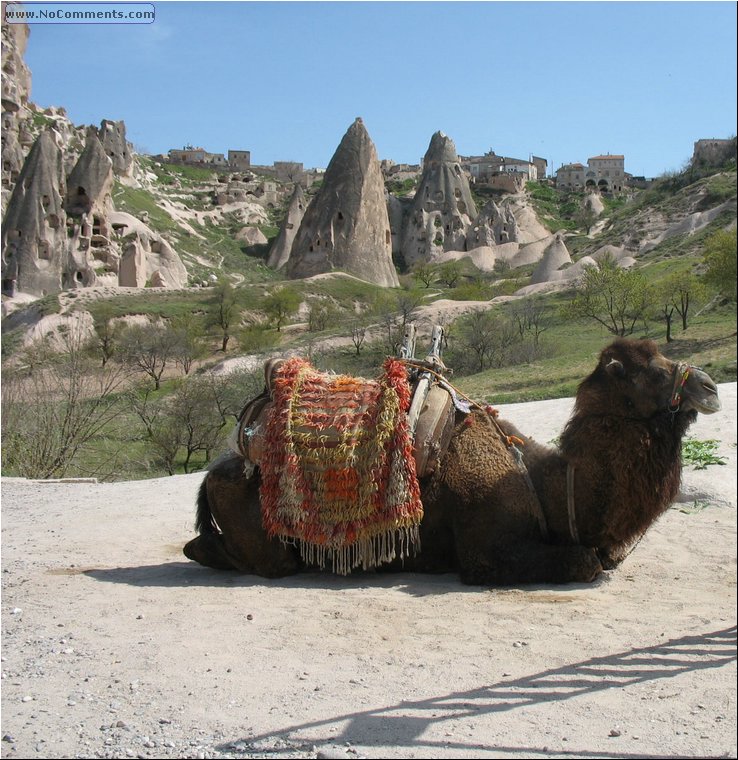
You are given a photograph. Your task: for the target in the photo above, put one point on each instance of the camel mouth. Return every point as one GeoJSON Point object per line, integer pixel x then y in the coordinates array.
{"type": "Point", "coordinates": [707, 405]}
{"type": "Point", "coordinates": [702, 393]}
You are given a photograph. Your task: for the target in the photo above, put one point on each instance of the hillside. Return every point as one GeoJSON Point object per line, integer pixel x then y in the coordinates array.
{"type": "Point", "coordinates": [153, 300]}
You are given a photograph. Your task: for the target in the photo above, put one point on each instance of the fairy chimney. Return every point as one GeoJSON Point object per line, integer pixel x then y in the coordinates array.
{"type": "Point", "coordinates": [34, 228]}
{"type": "Point", "coordinates": [280, 251]}
{"type": "Point", "coordinates": [90, 182]}
{"type": "Point", "coordinates": [112, 135]}
{"type": "Point", "coordinates": [443, 207]}
{"type": "Point", "coordinates": [346, 226]}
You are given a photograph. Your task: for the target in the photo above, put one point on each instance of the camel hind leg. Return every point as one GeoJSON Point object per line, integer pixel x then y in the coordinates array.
{"type": "Point", "coordinates": [229, 522]}
{"type": "Point", "coordinates": [207, 548]}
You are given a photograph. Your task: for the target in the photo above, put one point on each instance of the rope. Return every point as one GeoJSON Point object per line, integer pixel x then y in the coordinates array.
{"type": "Point", "coordinates": [510, 440]}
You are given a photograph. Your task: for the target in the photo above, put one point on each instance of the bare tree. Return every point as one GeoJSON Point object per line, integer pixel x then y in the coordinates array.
{"type": "Point", "coordinates": [189, 341]}
{"type": "Point", "coordinates": [529, 316]}
{"type": "Point", "coordinates": [358, 336]}
{"type": "Point", "coordinates": [150, 349]}
{"type": "Point", "coordinates": [52, 415]}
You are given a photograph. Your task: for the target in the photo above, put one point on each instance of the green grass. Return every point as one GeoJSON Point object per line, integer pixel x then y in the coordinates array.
{"type": "Point", "coordinates": [136, 200]}
{"type": "Point", "coordinates": [701, 454]}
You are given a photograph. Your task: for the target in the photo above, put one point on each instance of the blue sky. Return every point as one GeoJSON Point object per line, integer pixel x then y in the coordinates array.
{"type": "Point", "coordinates": [284, 80]}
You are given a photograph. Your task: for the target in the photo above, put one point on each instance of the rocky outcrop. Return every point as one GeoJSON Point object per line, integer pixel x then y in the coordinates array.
{"type": "Point", "coordinates": [251, 236]}
{"type": "Point", "coordinates": [443, 207]}
{"type": "Point", "coordinates": [150, 260]}
{"type": "Point", "coordinates": [112, 136]}
{"type": "Point", "coordinates": [555, 256]}
{"type": "Point", "coordinates": [16, 89]}
{"type": "Point", "coordinates": [279, 253]}
{"type": "Point", "coordinates": [493, 226]}
{"type": "Point", "coordinates": [16, 80]}
{"type": "Point", "coordinates": [593, 202]}
{"type": "Point", "coordinates": [347, 226]}
{"type": "Point", "coordinates": [90, 183]}
{"type": "Point", "coordinates": [34, 229]}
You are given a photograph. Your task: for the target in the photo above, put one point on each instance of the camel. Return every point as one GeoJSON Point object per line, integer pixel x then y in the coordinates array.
{"type": "Point", "coordinates": [571, 512]}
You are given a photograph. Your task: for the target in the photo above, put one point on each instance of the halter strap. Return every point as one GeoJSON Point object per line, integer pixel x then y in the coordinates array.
{"type": "Point", "coordinates": [681, 375]}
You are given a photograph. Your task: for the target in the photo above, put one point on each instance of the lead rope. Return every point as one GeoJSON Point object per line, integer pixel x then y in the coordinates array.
{"type": "Point", "coordinates": [509, 440]}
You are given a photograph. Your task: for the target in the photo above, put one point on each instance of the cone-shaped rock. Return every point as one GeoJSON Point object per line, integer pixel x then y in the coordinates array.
{"type": "Point", "coordinates": [443, 206]}
{"type": "Point", "coordinates": [346, 226]}
{"type": "Point", "coordinates": [280, 251]}
{"type": "Point", "coordinates": [91, 180]}
{"type": "Point", "coordinates": [34, 228]}
{"type": "Point", "coordinates": [554, 257]}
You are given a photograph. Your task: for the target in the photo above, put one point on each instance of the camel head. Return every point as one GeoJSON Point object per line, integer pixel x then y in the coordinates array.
{"type": "Point", "coordinates": [637, 381]}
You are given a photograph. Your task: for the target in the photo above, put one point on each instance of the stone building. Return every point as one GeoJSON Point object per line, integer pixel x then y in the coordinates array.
{"type": "Point", "coordinates": [605, 174]}
{"type": "Point", "coordinates": [191, 155]}
{"type": "Point", "coordinates": [541, 165]}
{"type": "Point", "coordinates": [484, 168]}
{"type": "Point", "coordinates": [239, 159]}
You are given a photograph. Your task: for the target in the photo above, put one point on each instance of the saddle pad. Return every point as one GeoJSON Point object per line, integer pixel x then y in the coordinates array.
{"type": "Point", "coordinates": [337, 470]}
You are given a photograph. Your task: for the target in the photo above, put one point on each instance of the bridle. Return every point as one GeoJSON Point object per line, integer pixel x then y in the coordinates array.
{"type": "Point", "coordinates": [681, 375]}
{"type": "Point", "coordinates": [682, 370]}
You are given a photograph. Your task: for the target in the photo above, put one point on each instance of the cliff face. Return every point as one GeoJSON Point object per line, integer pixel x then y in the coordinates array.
{"type": "Point", "coordinates": [347, 226]}
{"type": "Point", "coordinates": [16, 89]}
{"type": "Point", "coordinates": [443, 207]}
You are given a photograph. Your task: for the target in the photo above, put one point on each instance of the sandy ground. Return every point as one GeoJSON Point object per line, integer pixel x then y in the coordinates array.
{"type": "Point", "coordinates": [114, 645]}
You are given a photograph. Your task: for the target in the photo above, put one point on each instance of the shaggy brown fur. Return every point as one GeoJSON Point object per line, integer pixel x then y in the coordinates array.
{"type": "Point", "coordinates": [480, 515]}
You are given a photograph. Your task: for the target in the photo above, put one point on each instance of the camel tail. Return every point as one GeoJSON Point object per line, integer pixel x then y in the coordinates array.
{"type": "Point", "coordinates": [204, 522]}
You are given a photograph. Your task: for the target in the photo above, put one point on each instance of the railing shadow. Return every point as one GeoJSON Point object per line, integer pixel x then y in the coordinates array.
{"type": "Point", "coordinates": [403, 724]}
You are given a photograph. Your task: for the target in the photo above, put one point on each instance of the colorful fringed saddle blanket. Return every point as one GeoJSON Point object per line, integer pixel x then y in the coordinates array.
{"type": "Point", "coordinates": [337, 469]}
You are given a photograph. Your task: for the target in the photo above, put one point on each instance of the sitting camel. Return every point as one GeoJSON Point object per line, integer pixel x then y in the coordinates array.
{"type": "Point", "coordinates": [567, 514]}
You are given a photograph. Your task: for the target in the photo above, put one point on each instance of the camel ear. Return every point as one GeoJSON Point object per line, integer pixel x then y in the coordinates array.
{"type": "Point", "coordinates": [615, 368]}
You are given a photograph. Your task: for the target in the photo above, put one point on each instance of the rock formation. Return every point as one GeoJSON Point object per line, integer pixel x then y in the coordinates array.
{"type": "Point", "coordinates": [148, 259]}
{"type": "Point", "coordinates": [346, 226]}
{"type": "Point", "coordinates": [16, 89]}
{"type": "Point", "coordinates": [88, 204]}
{"type": "Point", "coordinates": [34, 229]}
{"type": "Point", "coordinates": [90, 183]}
{"type": "Point", "coordinates": [280, 251]}
{"type": "Point", "coordinates": [593, 202]}
{"type": "Point", "coordinates": [555, 256]}
{"type": "Point", "coordinates": [112, 135]}
{"type": "Point", "coordinates": [443, 207]}
{"type": "Point", "coordinates": [492, 227]}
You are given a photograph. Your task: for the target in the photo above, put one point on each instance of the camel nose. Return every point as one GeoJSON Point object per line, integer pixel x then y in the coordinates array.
{"type": "Point", "coordinates": [706, 399]}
